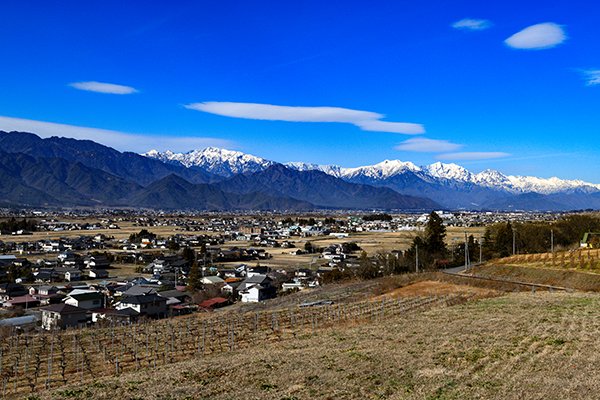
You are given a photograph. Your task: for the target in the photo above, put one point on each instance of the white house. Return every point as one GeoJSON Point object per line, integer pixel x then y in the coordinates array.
{"type": "Point", "coordinates": [256, 288]}
{"type": "Point", "coordinates": [87, 301]}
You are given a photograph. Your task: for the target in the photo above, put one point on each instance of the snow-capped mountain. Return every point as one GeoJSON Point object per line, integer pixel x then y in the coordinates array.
{"type": "Point", "coordinates": [333, 170]}
{"type": "Point", "coordinates": [450, 172]}
{"type": "Point", "coordinates": [382, 170]}
{"type": "Point", "coordinates": [532, 184]}
{"type": "Point", "coordinates": [217, 161]}
{"type": "Point", "coordinates": [453, 173]}
{"type": "Point", "coordinates": [449, 184]}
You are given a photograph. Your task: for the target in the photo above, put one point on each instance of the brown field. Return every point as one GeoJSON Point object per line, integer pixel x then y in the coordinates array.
{"type": "Point", "coordinates": [33, 362]}
{"type": "Point", "coordinates": [519, 346]}
{"type": "Point", "coordinates": [580, 259]}
{"type": "Point", "coordinates": [371, 242]}
{"type": "Point", "coordinates": [577, 280]}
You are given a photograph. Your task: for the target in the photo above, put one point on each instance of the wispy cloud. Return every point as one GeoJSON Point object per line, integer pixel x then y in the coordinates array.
{"type": "Point", "coordinates": [425, 145]}
{"type": "Point", "coordinates": [472, 155]}
{"type": "Point", "coordinates": [538, 37]}
{"type": "Point", "coordinates": [366, 120]}
{"type": "Point", "coordinates": [103, 87]}
{"type": "Point", "coordinates": [122, 141]}
{"type": "Point", "coordinates": [472, 24]}
{"type": "Point", "coordinates": [592, 77]}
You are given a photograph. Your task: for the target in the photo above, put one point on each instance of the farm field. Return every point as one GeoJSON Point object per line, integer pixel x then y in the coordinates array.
{"type": "Point", "coordinates": [34, 362]}
{"type": "Point", "coordinates": [571, 279]}
{"type": "Point", "coordinates": [581, 259]}
{"type": "Point", "coordinates": [518, 346]}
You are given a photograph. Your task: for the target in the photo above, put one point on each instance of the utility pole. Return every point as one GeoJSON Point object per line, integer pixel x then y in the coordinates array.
{"type": "Point", "coordinates": [417, 258]}
{"type": "Point", "coordinates": [466, 251]}
{"type": "Point", "coordinates": [514, 242]}
{"type": "Point", "coordinates": [480, 251]}
{"type": "Point", "coordinates": [552, 241]}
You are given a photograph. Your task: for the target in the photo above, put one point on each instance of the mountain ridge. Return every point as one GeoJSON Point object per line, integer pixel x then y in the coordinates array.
{"type": "Point", "coordinates": [451, 185]}
{"type": "Point", "coordinates": [240, 162]}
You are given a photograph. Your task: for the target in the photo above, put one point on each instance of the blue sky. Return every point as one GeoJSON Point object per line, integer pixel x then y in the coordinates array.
{"type": "Point", "coordinates": [187, 70]}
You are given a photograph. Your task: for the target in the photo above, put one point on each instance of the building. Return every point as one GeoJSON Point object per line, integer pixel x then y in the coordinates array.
{"type": "Point", "coordinates": [63, 316]}
{"type": "Point", "coordinates": [87, 301]}
{"type": "Point", "coordinates": [257, 288]}
{"type": "Point", "coordinates": [151, 305]}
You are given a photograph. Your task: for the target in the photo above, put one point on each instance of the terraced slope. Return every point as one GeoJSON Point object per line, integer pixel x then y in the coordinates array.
{"type": "Point", "coordinates": [519, 346]}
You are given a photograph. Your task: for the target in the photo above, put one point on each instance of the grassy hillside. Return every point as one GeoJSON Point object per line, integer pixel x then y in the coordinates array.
{"type": "Point", "coordinates": [519, 346]}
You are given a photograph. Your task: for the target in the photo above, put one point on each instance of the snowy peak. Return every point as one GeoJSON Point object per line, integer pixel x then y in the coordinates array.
{"type": "Point", "coordinates": [526, 184]}
{"type": "Point", "coordinates": [218, 161]}
{"type": "Point", "coordinates": [448, 171]}
{"type": "Point", "coordinates": [227, 163]}
{"type": "Point", "coordinates": [333, 170]}
{"type": "Point", "coordinates": [491, 178]}
{"type": "Point", "coordinates": [383, 170]}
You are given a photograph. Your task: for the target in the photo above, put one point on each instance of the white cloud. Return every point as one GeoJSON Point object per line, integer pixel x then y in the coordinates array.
{"type": "Point", "coordinates": [122, 141]}
{"type": "Point", "coordinates": [592, 77]}
{"type": "Point", "coordinates": [366, 120]}
{"type": "Point", "coordinates": [471, 24]}
{"type": "Point", "coordinates": [394, 127]}
{"type": "Point", "coordinates": [537, 37]}
{"type": "Point", "coordinates": [102, 87]}
{"type": "Point", "coordinates": [473, 155]}
{"type": "Point", "coordinates": [425, 145]}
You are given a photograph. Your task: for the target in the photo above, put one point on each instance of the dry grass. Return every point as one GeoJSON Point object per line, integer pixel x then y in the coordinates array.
{"type": "Point", "coordinates": [520, 346]}
{"type": "Point", "coordinates": [581, 259]}
{"type": "Point", "coordinates": [436, 288]}
{"type": "Point", "coordinates": [578, 280]}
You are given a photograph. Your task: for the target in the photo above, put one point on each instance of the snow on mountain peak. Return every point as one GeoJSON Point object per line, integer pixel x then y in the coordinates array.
{"type": "Point", "coordinates": [226, 163]}
{"type": "Point", "coordinates": [382, 170]}
{"type": "Point", "coordinates": [215, 160]}
{"type": "Point", "coordinates": [448, 171]}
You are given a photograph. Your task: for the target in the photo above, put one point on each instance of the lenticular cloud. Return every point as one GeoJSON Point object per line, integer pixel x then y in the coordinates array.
{"type": "Point", "coordinates": [537, 37]}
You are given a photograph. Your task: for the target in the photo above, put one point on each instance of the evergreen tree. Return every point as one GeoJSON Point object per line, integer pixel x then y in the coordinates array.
{"type": "Point", "coordinates": [188, 254]}
{"type": "Point", "coordinates": [504, 240]}
{"type": "Point", "coordinates": [195, 277]}
{"type": "Point", "coordinates": [435, 235]}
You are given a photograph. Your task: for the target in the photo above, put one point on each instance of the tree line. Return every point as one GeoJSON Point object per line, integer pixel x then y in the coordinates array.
{"type": "Point", "coordinates": [538, 237]}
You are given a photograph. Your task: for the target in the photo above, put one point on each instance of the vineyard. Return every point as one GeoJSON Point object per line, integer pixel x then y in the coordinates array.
{"type": "Point", "coordinates": [31, 363]}
{"type": "Point", "coordinates": [584, 259]}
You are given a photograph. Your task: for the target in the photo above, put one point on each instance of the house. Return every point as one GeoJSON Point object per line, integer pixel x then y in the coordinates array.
{"type": "Point", "coordinates": [68, 274]}
{"type": "Point", "coordinates": [182, 296]}
{"type": "Point", "coordinates": [303, 273]}
{"type": "Point", "coordinates": [46, 275]}
{"type": "Point", "coordinates": [151, 305]}
{"type": "Point", "coordinates": [87, 301]}
{"type": "Point", "coordinates": [257, 288]}
{"type": "Point", "coordinates": [213, 303]}
{"type": "Point", "coordinates": [212, 280]}
{"type": "Point", "coordinates": [231, 286]}
{"type": "Point", "coordinates": [63, 316]}
{"type": "Point", "coordinates": [97, 273]}
{"type": "Point", "coordinates": [138, 290]}
{"type": "Point", "coordinates": [96, 262]}
{"type": "Point", "coordinates": [293, 285]}
{"type": "Point", "coordinates": [44, 290]}
{"type": "Point", "coordinates": [26, 301]}
{"type": "Point", "coordinates": [10, 290]}
{"type": "Point", "coordinates": [124, 316]}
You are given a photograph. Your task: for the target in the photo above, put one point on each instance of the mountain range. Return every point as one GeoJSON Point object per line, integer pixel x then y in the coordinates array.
{"type": "Point", "coordinates": [59, 172]}
{"type": "Point", "coordinates": [450, 185]}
